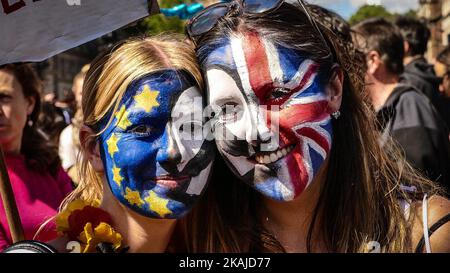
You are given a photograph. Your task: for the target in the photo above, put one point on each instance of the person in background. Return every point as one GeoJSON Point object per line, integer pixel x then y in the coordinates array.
{"type": "Point", "coordinates": [50, 122]}
{"type": "Point", "coordinates": [65, 105]}
{"type": "Point", "coordinates": [417, 71]}
{"type": "Point", "coordinates": [442, 67]}
{"type": "Point", "coordinates": [69, 143]}
{"type": "Point", "coordinates": [37, 178]}
{"type": "Point", "coordinates": [403, 112]}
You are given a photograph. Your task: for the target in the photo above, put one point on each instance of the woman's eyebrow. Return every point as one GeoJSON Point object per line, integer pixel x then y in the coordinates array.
{"type": "Point", "coordinates": [223, 100]}
{"type": "Point", "coordinates": [5, 91]}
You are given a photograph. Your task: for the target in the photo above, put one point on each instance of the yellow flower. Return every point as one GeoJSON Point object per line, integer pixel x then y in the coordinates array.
{"type": "Point", "coordinates": [62, 219]}
{"type": "Point", "coordinates": [103, 233]}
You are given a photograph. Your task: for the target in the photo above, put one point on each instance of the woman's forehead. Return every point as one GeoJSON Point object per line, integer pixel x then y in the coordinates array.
{"type": "Point", "coordinates": [152, 95]}
{"type": "Point", "coordinates": [8, 81]}
{"type": "Point", "coordinates": [256, 57]}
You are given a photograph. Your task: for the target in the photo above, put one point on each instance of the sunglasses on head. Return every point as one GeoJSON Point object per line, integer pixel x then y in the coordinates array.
{"type": "Point", "coordinates": [207, 19]}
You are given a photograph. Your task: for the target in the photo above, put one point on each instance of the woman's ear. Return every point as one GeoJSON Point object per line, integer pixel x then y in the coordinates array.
{"type": "Point", "coordinates": [373, 62]}
{"type": "Point", "coordinates": [406, 47]}
{"type": "Point", "coordinates": [31, 104]}
{"type": "Point", "coordinates": [91, 148]}
{"type": "Point", "coordinates": [334, 89]}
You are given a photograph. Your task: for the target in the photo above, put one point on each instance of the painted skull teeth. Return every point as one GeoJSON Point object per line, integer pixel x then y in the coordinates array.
{"type": "Point", "coordinates": [274, 156]}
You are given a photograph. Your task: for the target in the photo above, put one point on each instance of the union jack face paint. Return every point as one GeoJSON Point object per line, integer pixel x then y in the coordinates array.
{"type": "Point", "coordinates": [279, 96]}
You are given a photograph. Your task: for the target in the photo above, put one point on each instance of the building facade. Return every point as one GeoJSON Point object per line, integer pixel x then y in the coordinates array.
{"type": "Point", "coordinates": [437, 14]}
{"type": "Point", "coordinates": [59, 71]}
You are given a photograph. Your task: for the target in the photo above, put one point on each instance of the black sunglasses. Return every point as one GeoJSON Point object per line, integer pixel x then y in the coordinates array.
{"type": "Point", "coordinates": [207, 19]}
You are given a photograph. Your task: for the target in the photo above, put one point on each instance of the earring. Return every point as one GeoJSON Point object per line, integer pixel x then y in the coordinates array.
{"type": "Point", "coordinates": [30, 122]}
{"type": "Point", "coordinates": [336, 114]}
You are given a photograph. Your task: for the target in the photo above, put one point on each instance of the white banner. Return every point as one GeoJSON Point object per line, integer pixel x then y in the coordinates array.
{"type": "Point", "coordinates": [34, 30]}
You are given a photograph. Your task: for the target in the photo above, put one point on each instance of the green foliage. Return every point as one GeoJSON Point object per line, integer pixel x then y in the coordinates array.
{"type": "Point", "coordinates": [369, 11]}
{"type": "Point", "coordinates": [159, 23]}
{"type": "Point", "coordinates": [411, 13]}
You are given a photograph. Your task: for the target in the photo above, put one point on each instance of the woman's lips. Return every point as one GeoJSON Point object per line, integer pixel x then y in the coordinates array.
{"type": "Point", "coordinates": [171, 182]}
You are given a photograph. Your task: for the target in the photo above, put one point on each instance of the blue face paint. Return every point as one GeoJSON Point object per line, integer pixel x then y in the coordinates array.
{"type": "Point", "coordinates": [156, 161]}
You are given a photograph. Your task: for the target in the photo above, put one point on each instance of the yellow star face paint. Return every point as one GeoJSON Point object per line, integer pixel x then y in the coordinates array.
{"type": "Point", "coordinates": [122, 118]}
{"type": "Point", "coordinates": [147, 99]}
{"type": "Point", "coordinates": [151, 164]}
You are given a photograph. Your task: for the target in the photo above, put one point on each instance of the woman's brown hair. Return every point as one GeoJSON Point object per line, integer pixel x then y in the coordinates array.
{"type": "Point", "coordinates": [359, 199]}
{"type": "Point", "coordinates": [40, 155]}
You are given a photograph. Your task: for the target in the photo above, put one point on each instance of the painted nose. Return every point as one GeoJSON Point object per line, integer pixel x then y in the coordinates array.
{"type": "Point", "coordinates": [169, 156]}
{"type": "Point", "coordinates": [258, 132]}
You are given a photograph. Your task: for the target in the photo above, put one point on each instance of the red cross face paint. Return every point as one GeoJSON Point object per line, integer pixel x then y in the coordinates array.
{"type": "Point", "coordinates": [268, 92]}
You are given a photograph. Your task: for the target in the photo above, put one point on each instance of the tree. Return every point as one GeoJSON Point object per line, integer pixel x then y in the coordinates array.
{"type": "Point", "coordinates": [159, 23]}
{"type": "Point", "coordinates": [151, 25]}
{"type": "Point", "coordinates": [411, 13]}
{"type": "Point", "coordinates": [369, 11]}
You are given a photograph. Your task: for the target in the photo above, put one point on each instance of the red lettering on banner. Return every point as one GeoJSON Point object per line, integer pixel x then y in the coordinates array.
{"type": "Point", "coordinates": [9, 8]}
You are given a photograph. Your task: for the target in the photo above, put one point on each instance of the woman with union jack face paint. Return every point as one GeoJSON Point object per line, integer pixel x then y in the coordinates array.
{"type": "Point", "coordinates": [307, 174]}
{"type": "Point", "coordinates": [274, 129]}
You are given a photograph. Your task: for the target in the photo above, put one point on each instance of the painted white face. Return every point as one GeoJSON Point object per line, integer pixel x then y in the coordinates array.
{"type": "Point", "coordinates": [279, 132]}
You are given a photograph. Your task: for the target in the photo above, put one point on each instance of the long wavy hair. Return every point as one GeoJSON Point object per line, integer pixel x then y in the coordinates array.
{"type": "Point", "coordinates": [106, 82]}
{"type": "Point", "coordinates": [40, 155]}
{"type": "Point", "coordinates": [359, 199]}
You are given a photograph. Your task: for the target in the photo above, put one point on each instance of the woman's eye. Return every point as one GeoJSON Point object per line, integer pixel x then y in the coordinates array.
{"type": "Point", "coordinates": [279, 93]}
{"type": "Point", "coordinates": [230, 113]}
{"type": "Point", "coordinates": [5, 99]}
{"type": "Point", "coordinates": [190, 127]}
{"type": "Point", "coordinates": [191, 130]}
{"type": "Point", "coordinates": [141, 130]}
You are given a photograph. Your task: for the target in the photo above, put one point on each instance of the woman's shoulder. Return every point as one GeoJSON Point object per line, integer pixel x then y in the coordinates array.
{"type": "Point", "coordinates": [432, 216]}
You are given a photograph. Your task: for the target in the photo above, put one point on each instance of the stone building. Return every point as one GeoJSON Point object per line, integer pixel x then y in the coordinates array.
{"type": "Point", "coordinates": [437, 14]}
{"type": "Point", "coordinates": [58, 72]}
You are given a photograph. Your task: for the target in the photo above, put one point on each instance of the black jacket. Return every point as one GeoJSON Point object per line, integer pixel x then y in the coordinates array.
{"type": "Point", "coordinates": [411, 120]}
{"type": "Point", "coordinates": [420, 74]}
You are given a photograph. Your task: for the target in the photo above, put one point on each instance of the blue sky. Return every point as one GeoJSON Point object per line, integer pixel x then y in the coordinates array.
{"type": "Point", "coordinates": [347, 7]}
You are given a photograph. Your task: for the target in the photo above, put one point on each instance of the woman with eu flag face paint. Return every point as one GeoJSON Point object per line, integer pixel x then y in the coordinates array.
{"type": "Point", "coordinates": [308, 174]}
{"type": "Point", "coordinates": [144, 159]}
{"type": "Point", "coordinates": [143, 135]}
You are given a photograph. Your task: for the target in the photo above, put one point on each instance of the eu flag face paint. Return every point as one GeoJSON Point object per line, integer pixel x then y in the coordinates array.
{"type": "Point", "coordinates": [156, 161]}
{"type": "Point", "coordinates": [276, 94]}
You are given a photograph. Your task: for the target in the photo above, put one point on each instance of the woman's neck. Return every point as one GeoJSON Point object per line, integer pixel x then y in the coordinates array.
{"type": "Point", "coordinates": [289, 222]}
{"type": "Point", "coordinates": [140, 233]}
{"type": "Point", "coordinates": [12, 148]}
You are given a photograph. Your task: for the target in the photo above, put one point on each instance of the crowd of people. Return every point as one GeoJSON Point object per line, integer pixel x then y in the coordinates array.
{"type": "Point", "coordinates": [362, 123]}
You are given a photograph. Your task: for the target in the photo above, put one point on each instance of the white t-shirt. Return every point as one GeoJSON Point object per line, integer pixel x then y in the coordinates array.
{"type": "Point", "coordinates": [67, 150]}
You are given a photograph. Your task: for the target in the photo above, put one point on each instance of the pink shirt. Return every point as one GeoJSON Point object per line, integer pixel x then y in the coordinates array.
{"type": "Point", "coordinates": [38, 197]}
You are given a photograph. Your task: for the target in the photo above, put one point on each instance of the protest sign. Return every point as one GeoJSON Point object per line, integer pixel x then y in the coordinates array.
{"type": "Point", "coordinates": [34, 30]}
